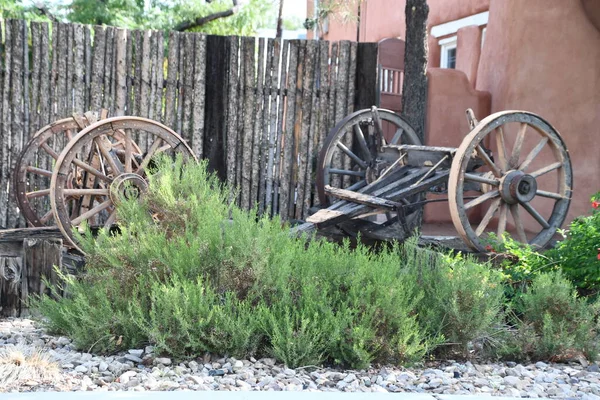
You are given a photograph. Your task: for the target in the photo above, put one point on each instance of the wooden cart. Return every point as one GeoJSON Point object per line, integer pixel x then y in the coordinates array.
{"type": "Point", "coordinates": [511, 175]}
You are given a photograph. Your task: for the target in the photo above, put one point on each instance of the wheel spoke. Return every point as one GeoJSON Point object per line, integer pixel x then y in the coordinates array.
{"type": "Point", "coordinates": [91, 170]}
{"type": "Point", "coordinates": [533, 212]}
{"type": "Point", "coordinates": [346, 172]}
{"type": "Point", "coordinates": [358, 185]}
{"type": "Point", "coordinates": [481, 199]}
{"type": "Point", "coordinates": [533, 154]}
{"type": "Point", "coordinates": [397, 136]}
{"type": "Point", "coordinates": [84, 192]}
{"type": "Point", "coordinates": [37, 193]}
{"type": "Point", "coordinates": [39, 171]}
{"type": "Point", "coordinates": [514, 210]}
{"type": "Point", "coordinates": [550, 195]}
{"type": "Point", "coordinates": [46, 217]}
{"type": "Point", "coordinates": [149, 156]}
{"type": "Point", "coordinates": [516, 152]}
{"type": "Point", "coordinates": [488, 161]}
{"type": "Point", "coordinates": [111, 219]}
{"type": "Point", "coordinates": [353, 156]}
{"type": "Point", "coordinates": [90, 213]}
{"type": "Point", "coordinates": [49, 150]}
{"type": "Point", "coordinates": [128, 152]}
{"type": "Point", "coordinates": [481, 179]}
{"type": "Point", "coordinates": [501, 149]}
{"type": "Point", "coordinates": [113, 161]}
{"type": "Point", "coordinates": [546, 169]}
{"type": "Point", "coordinates": [488, 217]}
{"type": "Point", "coordinates": [362, 142]}
{"type": "Point", "coordinates": [502, 221]}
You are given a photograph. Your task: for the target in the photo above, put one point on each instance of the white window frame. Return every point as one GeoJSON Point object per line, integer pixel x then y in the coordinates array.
{"type": "Point", "coordinates": [451, 27]}
{"type": "Point", "coordinates": [446, 44]}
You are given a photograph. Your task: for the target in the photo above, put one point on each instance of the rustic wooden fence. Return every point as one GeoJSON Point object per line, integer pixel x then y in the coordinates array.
{"type": "Point", "coordinates": [258, 109]}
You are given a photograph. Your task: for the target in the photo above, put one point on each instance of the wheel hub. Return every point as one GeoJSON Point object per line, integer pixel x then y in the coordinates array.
{"type": "Point", "coordinates": [127, 186]}
{"type": "Point", "coordinates": [517, 187]}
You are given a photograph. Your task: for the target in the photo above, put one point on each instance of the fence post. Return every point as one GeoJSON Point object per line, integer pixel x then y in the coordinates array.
{"type": "Point", "coordinates": [365, 95]}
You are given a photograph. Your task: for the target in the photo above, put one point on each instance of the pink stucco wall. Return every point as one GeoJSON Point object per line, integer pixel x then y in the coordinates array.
{"type": "Point", "coordinates": [544, 56]}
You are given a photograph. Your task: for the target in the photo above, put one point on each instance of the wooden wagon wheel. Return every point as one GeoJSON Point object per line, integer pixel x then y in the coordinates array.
{"type": "Point", "coordinates": [532, 182]}
{"type": "Point", "coordinates": [35, 162]}
{"type": "Point", "coordinates": [104, 158]}
{"type": "Point", "coordinates": [351, 154]}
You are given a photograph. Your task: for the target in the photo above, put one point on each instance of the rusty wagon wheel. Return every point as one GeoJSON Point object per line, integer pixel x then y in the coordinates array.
{"type": "Point", "coordinates": [532, 182]}
{"type": "Point", "coordinates": [35, 162]}
{"type": "Point", "coordinates": [106, 160]}
{"type": "Point", "coordinates": [350, 158]}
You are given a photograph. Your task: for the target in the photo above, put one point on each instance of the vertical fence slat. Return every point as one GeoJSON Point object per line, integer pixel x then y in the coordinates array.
{"type": "Point", "coordinates": [88, 51]}
{"type": "Point", "coordinates": [108, 67]}
{"type": "Point", "coordinates": [144, 84]}
{"type": "Point", "coordinates": [44, 60]}
{"type": "Point", "coordinates": [171, 90]}
{"type": "Point", "coordinates": [257, 134]}
{"type": "Point", "coordinates": [272, 121]}
{"type": "Point", "coordinates": [288, 133]}
{"type": "Point", "coordinates": [63, 68]}
{"type": "Point", "coordinates": [297, 132]}
{"type": "Point", "coordinates": [341, 101]}
{"type": "Point", "coordinates": [19, 48]}
{"type": "Point", "coordinates": [160, 58]}
{"type": "Point", "coordinates": [281, 97]}
{"type": "Point", "coordinates": [69, 53]}
{"type": "Point", "coordinates": [121, 71]}
{"type": "Point", "coordinates": [35, 76]}
{"type": "Point", "coordinates": [25, 83]}
{"type": "Point", "coordinates": [303, 188]}
{"type": "Point", "coordinates": [240, 117]}
{"type": "Point", "coordinates": [153, 75]}
{"type": "Point", "coordinates": [199, 94]}
{"type": "Point", "coordinates": [187, 87]}
{"type": "Point", "coordinates": [322, 127]}
{"type": "Point", "coordinates": [264, 122]}
{"type": "Point", "coordinates": [5, 132]}
{"type": "Point", "coordinates": [232, 143]}
{"type": "Point", "coordinates": [129, 97]}
{"type": "Point", "coordinates": [248, 129]}
{"type": "Point", "coordinates": [97, 80]}
{"type": "Point", "coordinates": [313, 139]}
{"type": "Point", "coordinates": [79, 68]}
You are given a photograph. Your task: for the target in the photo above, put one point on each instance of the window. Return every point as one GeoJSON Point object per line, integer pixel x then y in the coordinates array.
{"type": "Point", "coordinates": [448, 52]}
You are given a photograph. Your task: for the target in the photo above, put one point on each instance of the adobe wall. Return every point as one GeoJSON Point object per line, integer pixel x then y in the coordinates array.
{"type": "Point", "coordinates": [545, 58]}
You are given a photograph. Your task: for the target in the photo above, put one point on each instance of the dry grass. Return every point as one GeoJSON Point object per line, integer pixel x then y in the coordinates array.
{"type": "Point", "coordinates": [20, 365]}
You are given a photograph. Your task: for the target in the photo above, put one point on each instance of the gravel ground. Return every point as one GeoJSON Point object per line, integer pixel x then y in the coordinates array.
{"type": "Point", "coordinates": [31, 360]}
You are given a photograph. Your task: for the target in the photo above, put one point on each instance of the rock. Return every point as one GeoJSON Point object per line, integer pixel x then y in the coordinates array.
{"type": "Point", "coordinates": [511, 364]}
{"type": "Point", "coordinates": [193, 365]}
{"type": "Point", "coordinates": [541, 365]}
{"type": "Point", "coordinates": [243, 385]}
{"type": "Point", "coordinates": [136, 352]}
{"type": "Point", "coordinates": [238, 365]}
{"type": "Point", "coordinates": [349, 378]}
{"type": "Point", "coordinates": [133, 358]}
{"type": "Point", "coordinates": [81, 368]}
{"type": "Point", "coordinates": [289, 372]}
{"type": "Point", "coordinates": [163, 360]}
{"type": "Point", "coordinates": [593, 368]}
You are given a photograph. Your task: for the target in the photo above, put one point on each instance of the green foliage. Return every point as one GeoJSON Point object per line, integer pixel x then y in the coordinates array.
{"type": "Point", "coordinates": [192, 274]}
{"type": "Point", "coordinates": [462, 299]}
{"type": "Point", "coordinates": [553, 321]}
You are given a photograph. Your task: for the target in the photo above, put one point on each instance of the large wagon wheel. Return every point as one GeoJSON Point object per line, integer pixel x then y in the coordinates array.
{"type": "Point", "coordinates": [104, 157]}
{"type": "Point", "coordinates": [34, 165]}
{"type": "Point", "coordinates": [351, 156]}
{"type": "Point", "coordinates": [533, 182]}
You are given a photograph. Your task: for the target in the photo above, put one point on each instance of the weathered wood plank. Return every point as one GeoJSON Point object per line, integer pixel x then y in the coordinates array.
{"type": "Point", "coordinates": [198, 113]}
{"type": "Point", "coordinates": [241, 98]}
{"type": "Point", "coordinates": [153, 76]}
{"type": "Point", "coordinates": [44, 60]}
{"type": "Point", "coordinates": [19, 49]}
{"type": "Point", "coordinates": [281, 98]}
{"type": "Point", "coordinates": [257, 132]}
{"type": "Point", "coordinates": [362, 198]}
{"type": "Point", "coordinates": [25, 83]}
{"type": "Point", "coordinates": [129, 97]}
{"type": "Point", "coordinates": [61, 83]}
{"type": "Point", "coordinates": [272, 138]}
{"type": "Point", "coordinates": [366, 76]}
{"type": "Point", "coordinates": [6, 122]}
{"type": "Point", "coordinates": [286, 193]}
{"type": "Point", "coordinates": [145, 86]}
{"type": "Point", "coordinates": [39, 260]}
{"type": "Point", "coordinates": [295, 178]}
{"type": "Point", "coordinates": [232, 145]}
{"type": "Point", "coordinates": [307, 137]}
{"type": "Point", "coordinates": [10, 274]}
{"type": "Point", "coordinates": [121, 72]}
{"type": "Point", "coordinates": [78, 69]}
{"type": "Point", "coordinates": [341, 99]}
{"type": "Point", "coordinates": [36, 66]}
{"type": "Point", "coordinates": [248, 127]}
{"type": "Point", "coordinates": [70, 69]}
{"type": "Point", "coordinates": [88, 54]}
{"type": "Point", "coordinates": [97, 81]}
{"type": "Point", "coordinates": [160, 58]}
{"type": "Point", "coordinates": [107, 99]}
{"type": "Point", "coordinates": [215, 59]}
{"type": "Point", "coordinates": [265, 127]}
{"type": "Point", "coordinates": [171, 89]}
{"type": "Point", "coordinates": [187, 85]}
{"type": "Point", "coordinates": [322, 128]}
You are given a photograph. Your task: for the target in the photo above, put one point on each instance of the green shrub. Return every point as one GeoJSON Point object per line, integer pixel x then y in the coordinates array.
{"type": "Point", "coordinates": [462, 299]}
{"type": "Point", "coordinates": [552, 321]}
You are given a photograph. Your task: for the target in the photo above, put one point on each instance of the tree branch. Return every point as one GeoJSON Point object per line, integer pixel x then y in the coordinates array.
{"type": "Point", "coordinates": [184, 26]}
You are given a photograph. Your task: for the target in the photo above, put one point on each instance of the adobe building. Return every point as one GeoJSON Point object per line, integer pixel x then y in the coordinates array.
{"type": "Point", "coordinates": [541, 56]}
